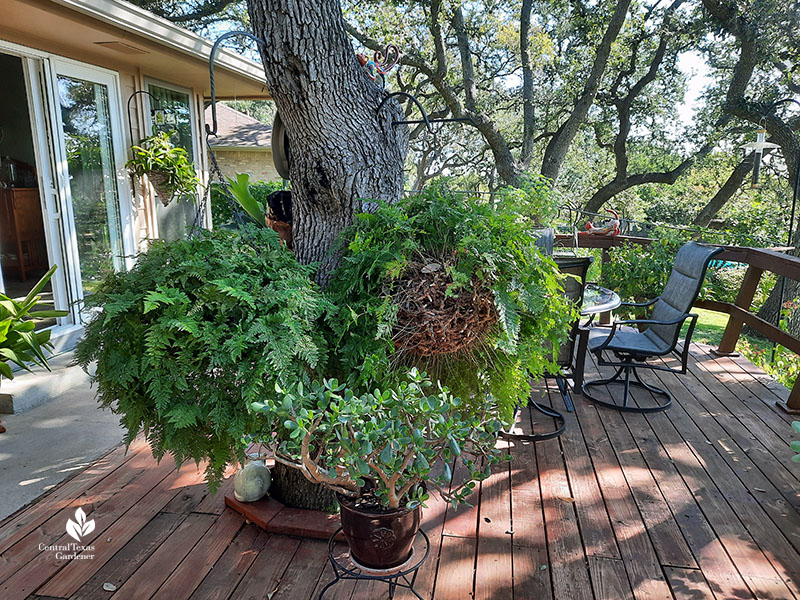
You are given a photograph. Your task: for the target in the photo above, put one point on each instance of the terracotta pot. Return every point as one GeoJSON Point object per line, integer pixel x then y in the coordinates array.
{"type": "Point", "coordinates": [379, 540]}
{"type": "Point", "coordinates": [284, 230]}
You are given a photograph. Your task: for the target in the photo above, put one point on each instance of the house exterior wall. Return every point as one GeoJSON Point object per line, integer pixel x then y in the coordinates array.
{"type": "Point", "coordinates": [256, 163]}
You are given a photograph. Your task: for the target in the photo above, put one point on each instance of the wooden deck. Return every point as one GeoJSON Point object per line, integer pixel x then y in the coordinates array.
{"type": "Point", "coordinates": [698, 502]}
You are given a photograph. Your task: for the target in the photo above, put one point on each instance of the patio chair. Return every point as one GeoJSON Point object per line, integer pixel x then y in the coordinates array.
{"type": "Point", "coordinates": [577, 267]}
{"type": "Point", "coordinates": [658, 335]}
{"type": "Point", "coordinates": [573, 289]}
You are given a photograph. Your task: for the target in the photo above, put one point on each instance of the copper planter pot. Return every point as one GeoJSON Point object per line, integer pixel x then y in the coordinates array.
{"type": "Point", "coordinates": [379, 540]}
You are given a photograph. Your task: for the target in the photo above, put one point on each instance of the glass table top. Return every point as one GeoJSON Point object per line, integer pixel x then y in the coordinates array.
{"type": "Point", "coordinates": [597, 299]}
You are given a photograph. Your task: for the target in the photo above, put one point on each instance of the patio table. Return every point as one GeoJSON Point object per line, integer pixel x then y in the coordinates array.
{"type": "Point", "coordinates": [596, 300]}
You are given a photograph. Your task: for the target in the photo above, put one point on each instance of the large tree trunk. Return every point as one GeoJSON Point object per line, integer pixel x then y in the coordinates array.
{"type": "Point", "coordinates": [342, 150]}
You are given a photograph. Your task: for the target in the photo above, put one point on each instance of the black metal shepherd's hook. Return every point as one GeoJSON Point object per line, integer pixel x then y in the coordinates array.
{"type": "Point", "coordinates": [425, 118]}
{"type": "Point", "coordinates": [212, 130]}
{"type": "Point", "coordinates": [130, 121]}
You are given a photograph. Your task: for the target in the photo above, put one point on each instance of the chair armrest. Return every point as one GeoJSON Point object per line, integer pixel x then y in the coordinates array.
{"type": "Point", "coordinates": [653, 322]}
{"type": "Point", "coordinates": [641, 304]}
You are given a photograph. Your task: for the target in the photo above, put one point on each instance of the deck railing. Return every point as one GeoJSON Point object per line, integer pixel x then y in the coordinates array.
{"type": "Point", "coordinates": [757, 260]}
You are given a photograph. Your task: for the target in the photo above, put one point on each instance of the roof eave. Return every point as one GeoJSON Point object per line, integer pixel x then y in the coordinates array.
{"type": "Point", "coordinates": [152, 27]}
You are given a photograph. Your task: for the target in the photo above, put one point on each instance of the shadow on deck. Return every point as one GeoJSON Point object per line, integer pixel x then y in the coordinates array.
{"type": "Point", "coordinates": [697, 502]}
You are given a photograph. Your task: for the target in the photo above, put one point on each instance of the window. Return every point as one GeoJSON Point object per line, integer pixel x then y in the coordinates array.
{"type": "Point", "coordinates": [171, 112]}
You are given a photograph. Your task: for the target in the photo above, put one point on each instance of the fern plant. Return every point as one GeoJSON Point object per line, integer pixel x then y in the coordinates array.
{"type": "Point", "coordinates": [197, 331]}
{"type": "Point", "coordinates": [479, 246]}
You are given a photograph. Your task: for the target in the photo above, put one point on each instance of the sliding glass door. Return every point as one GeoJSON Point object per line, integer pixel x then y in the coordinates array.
{"type": "Point", "coordinates": [95, 202]}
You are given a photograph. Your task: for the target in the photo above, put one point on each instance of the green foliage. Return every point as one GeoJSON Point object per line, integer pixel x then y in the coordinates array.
{"type": "Point", "coordinates": [240, 188]}
{"type": "Point", "coordinates": [532, 197]}
{"type": "Point", "coordinates": [640, 273]}
{"type": "Point", "coordinates": [198, 330]}
{"type": "Point", "coordinates": [492, 247]}
{"type": "Point", "coordinates": [20, 343]}
{"type": "Point", "coordinates": [221, 211]}
{"type": "Point", "coordinates": [782, 364]}
{"type": "Point", "coordinates": [156, 154]}
{"type": "Point", "coordinates": [395, 438]}
{"type": "Point", "coordinates": [795, 444]}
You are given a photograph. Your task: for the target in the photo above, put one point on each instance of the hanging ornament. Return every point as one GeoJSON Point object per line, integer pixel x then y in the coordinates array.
{"type": "Point", "coordinates": [757, 148]}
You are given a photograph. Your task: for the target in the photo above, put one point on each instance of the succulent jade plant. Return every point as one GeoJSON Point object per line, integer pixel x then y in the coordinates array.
{"type": "Point", "coordinates": [386, 441]}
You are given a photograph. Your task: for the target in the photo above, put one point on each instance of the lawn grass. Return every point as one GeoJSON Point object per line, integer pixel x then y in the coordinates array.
{"type": "Point", "coordinates": [710, 326]}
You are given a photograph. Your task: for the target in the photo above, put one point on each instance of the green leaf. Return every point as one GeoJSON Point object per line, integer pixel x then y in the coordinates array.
{"type": "Point", "coordinates": [363, 467]}
{"type": "Point", "coordinates": [240, 188]}
{"type": "Point", "coordinates": [387, 454]}
{"type": "Point", "coordinates": [6, 371]}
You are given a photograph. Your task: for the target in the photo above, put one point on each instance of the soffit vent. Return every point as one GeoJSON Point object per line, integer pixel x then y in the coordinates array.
{"type": "Point", "coordinates": [122, 47]}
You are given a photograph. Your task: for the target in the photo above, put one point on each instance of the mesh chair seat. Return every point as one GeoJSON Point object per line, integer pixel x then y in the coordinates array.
{"type": "Point", "coordinates": [637, 344]}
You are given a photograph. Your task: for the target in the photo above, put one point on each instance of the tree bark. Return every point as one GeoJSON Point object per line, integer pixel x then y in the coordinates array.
{"type": "Point", "coordinates": [528, 113]}
{"type": "Point", "coordinates": [342, 150]}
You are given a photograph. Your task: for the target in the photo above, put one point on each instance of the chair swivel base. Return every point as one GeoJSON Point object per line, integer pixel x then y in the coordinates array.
{"type": "Point", "coordinates": [625, 405]}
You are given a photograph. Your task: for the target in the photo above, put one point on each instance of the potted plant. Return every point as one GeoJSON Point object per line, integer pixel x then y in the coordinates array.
{"type": "Point", "coordinates": [381, 451]}
{"type": "Point", "coordinates": [20, 342]}
{"type": "Point", "coordinates": [273, 211]}
{"type": "Point", "coordinates": [166, 166]}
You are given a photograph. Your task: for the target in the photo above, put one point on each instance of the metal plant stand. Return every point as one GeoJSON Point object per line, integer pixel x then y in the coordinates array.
{"type": "Point", "coordinates": [344, 567]}
{"type": "Point", "coordinates": [549, 411]}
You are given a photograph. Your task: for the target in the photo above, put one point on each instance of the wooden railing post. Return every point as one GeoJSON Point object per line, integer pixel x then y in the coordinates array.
{"type": "Point", "coordinates": [744, 298]}
{"type": "Point", "coordinates": [793, 401]}
{"type": "Point", "coordinates": [605, 258]}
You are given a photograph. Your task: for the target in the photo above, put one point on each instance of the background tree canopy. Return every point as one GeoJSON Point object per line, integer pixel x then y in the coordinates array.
{"type": "Point", "coordinates": [589, 94]}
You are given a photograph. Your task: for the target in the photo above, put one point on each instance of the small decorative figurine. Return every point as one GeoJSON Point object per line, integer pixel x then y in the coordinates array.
{"type": "Point", "coordinates": [252, 482]}
{"type": "Point", "coordinates": [379, 66]}
{"type": "Point", "coordinates": [609, 229]}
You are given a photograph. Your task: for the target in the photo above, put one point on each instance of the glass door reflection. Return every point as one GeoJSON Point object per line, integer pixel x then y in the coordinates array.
{"type": "Point", "coordinates": [89, 151]}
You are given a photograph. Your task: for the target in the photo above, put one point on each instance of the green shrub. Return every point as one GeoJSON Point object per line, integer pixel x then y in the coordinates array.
{"type": "Point", "coordinates": [197, 331]}
{"type": "Point", "coordinates": [20, 343]}
{"type": "Point", "coordinates": [640, 273]}
{"type": "Point", "coordinates": [476, 247]}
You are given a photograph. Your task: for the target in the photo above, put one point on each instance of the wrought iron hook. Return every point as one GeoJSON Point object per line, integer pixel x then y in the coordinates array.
{"type": "Point", "coordinates": [130, 121]}
{"type": "Point", "coordinates": [425, 118]}
{"type": "Point", "coordinates": [212, 130]}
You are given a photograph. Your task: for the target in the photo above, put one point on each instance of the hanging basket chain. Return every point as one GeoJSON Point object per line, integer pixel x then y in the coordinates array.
{"type": "Point", "coordinates": [238, 215]}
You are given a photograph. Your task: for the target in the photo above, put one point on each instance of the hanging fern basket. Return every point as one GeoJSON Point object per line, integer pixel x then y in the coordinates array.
{"type": "Point", "coordinates": [431, 321]}
{"type": "Point", "coordinates": [160, 180]}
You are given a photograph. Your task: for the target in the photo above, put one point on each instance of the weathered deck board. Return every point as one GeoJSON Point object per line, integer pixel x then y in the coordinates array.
{"type": "Point", "coordinates": [698, 502]}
